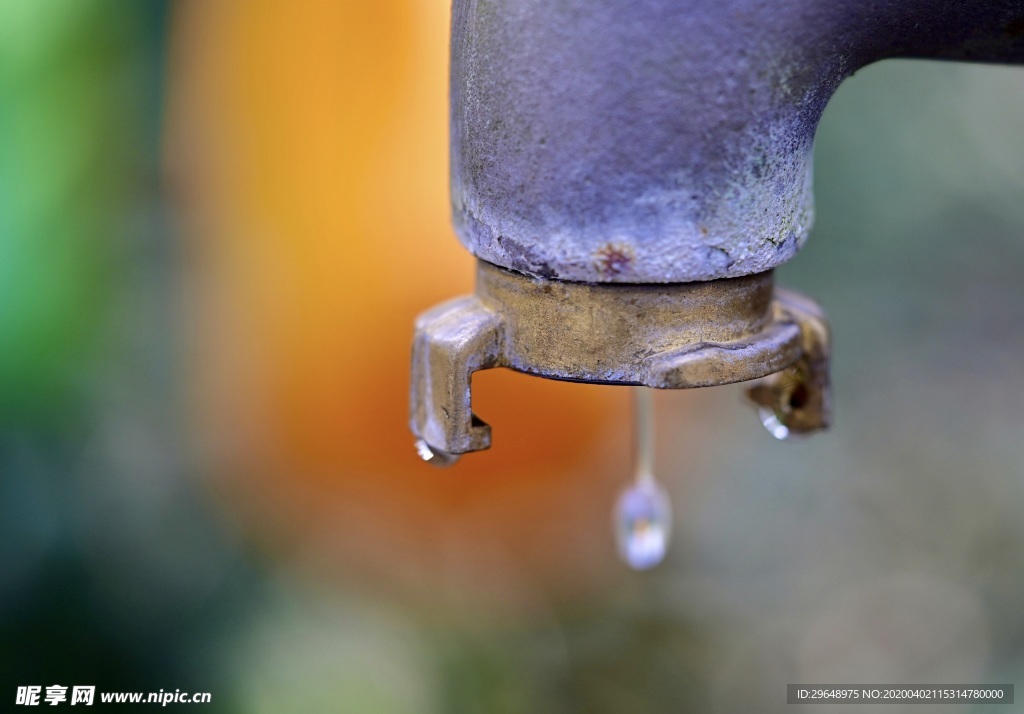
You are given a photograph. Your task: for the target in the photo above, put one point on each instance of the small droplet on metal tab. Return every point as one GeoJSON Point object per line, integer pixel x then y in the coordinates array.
{"type": "Point", "coordinates": [643, 514]}
{"type": "Point", "coordinates": [435, 457]}
{"type": "Point", "coordinates": [775, 426]}
{"type": "Point", "coordinates": [643, 525]}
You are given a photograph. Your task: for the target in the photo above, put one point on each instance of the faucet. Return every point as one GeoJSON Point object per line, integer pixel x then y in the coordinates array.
{"type": "Point", "coordinates": [630, 172]}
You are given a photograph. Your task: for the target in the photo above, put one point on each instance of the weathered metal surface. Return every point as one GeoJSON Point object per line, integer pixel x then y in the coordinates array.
{"type": "Point", "coordinates": [616, 333]}
{"type": "Point", "coordinates": [667, 141]}
{"type": "Point", "coordinates": [664, 336]}
{"type": "Point", "coordinates": [799, 397]}
{"type": "Point", "coordinates": [452, 341]}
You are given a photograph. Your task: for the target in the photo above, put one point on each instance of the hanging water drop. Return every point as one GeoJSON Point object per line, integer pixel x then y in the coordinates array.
{"type": "Point", "coordinates": [435, 457]}
{"type": "Point", "coordinates": [643, 514]}
{"type": "Point", "coordinates": [775, 425]}
{"type": "Point", "coordinates": [643, 524]}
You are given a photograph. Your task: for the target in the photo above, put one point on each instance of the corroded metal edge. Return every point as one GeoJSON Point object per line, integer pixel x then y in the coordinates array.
{"type": "Point", "coordinates": [673, 336]}
{"type": "Point", "coordinates": [660, 141]}
{"type": "Point", "coordinates": [799, 397]}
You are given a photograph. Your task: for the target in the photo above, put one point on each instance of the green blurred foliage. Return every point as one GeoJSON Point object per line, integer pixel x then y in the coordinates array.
{"type": "Point", "coordinates": [71, 72]}
{"type": "Point", "coordinates": [114, 570]}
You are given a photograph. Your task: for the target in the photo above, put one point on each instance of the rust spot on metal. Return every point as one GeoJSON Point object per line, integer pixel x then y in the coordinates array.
{"type": "Point", "coordinates": [614, 259]}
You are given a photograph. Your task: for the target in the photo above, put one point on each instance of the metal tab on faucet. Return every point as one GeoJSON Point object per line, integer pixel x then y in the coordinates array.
{"type": "Point", "coordinates": [671, 336]}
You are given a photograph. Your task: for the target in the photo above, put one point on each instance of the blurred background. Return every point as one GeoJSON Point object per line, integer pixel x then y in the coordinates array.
{"type": "Point", "coordinates": [217, 223]}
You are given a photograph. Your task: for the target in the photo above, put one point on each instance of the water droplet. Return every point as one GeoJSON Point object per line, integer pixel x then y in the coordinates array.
{"type": "Point", "coordinates": [435, 457]}
{"type": "Point", "coordinates": [643, 523]}
{"type": "Point", "coordinates": [775, 426]}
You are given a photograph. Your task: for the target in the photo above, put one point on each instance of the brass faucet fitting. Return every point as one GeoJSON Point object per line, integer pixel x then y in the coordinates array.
{"type": "Point", "coordinates": [665, 336]}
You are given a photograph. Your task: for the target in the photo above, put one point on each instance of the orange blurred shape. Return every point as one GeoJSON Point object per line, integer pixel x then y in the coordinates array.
{"type": "Point", "coordinates": [308, 143]}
